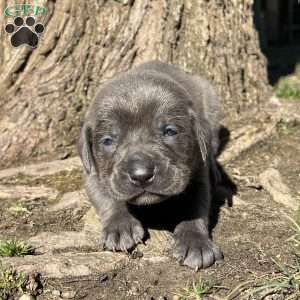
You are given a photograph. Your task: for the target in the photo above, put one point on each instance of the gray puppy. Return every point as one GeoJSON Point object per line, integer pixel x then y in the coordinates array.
{"type": "Point", "coordinates": [151, 135]}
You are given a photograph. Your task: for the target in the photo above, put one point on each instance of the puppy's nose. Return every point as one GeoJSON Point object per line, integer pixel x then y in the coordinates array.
{"type": "Point", "coordinates": [140, 169]}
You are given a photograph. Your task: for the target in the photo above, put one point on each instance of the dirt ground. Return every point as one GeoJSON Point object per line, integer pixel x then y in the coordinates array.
{"type": "Point", "coordinates": [251, 228]}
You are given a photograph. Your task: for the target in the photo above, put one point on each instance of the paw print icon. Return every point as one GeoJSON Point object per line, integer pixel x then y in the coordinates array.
{"type": "Point", "coordinates": [24, 31]}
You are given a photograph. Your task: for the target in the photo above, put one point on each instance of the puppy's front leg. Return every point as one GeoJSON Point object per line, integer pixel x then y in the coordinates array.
{"type": "Point", "coordinates": [120, 229]}
{"type": "Point", "coordinates": [193, 246]}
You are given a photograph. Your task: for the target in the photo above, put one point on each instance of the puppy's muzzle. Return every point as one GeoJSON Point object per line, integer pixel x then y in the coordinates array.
{"type": "Point", "coordinates": [141, 169]}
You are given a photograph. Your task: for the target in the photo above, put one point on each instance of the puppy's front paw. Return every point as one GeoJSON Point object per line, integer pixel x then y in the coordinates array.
{"type": "Point", "coordinates": [121, 233]}
{"type": "Point", "coordinates": [195, 250]}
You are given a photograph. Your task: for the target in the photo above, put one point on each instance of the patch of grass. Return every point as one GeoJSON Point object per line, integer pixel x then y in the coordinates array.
{"type": "Point", "coordinates": [288, 128]}
{"type": "Point", "coordinates": [19, 209]}
{"type": "Point", "coordinates": [198, 290]}
{"type": "Point", "coordinates": [283, 284]}
{"type": "Point", "coordinates": [287, 91]}
{"type": "Point", "coordinates": [10, 282]}
{"type": "Point", "coordinates": [289, 87]}
{"type": "Point", "coordinates": [15, 248]}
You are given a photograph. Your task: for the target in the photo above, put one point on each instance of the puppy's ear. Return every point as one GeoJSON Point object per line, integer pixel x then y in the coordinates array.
{"type": "Point", "coordinates": [85, 149]}
{"type": "Point", "coordinates": [202, 132]}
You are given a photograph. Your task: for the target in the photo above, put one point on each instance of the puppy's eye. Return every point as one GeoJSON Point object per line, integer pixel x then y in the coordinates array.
{"type": "Point", "coordinates": [170, 130]}
{"type": "Point", "coordinates": [107, 141]}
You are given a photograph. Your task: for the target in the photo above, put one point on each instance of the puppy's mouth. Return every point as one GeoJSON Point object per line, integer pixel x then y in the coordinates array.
{"type": "Point", "coordinates": [146, 197]}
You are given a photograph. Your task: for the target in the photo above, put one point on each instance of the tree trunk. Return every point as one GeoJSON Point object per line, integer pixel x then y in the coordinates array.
{"type": "Point", "coordinates": [45, 91]}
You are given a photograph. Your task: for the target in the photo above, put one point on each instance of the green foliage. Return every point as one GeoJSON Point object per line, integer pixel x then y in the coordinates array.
{"type": "Point", "coordinates": [289, 86]}
{"type": "Point", "coordinates": [282, 284]}
{"type": "Point", "coordinates": [285, 90]}
{"type": "Point", "coordinates": [19, 208]}
{"type": "Point", "coordinates": [285, 283]}
{"type": "Point", "coordinates": [10, 282]}
{"type": "Point", "coordinates": [198, 290]}
{"type": "Point", "coordinates": [15, 248]}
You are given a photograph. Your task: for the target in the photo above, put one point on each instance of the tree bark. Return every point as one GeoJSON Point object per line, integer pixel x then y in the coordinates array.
{"type": "Point", "coordinates": [45, 91]}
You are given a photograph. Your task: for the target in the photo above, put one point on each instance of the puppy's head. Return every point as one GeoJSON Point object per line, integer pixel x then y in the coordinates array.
{"type": "Point", "coordinates": [142, 139]}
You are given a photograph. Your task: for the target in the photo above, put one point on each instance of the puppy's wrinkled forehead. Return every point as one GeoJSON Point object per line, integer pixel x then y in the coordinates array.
{"type": "Point", "coordinates": [136, 101]}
